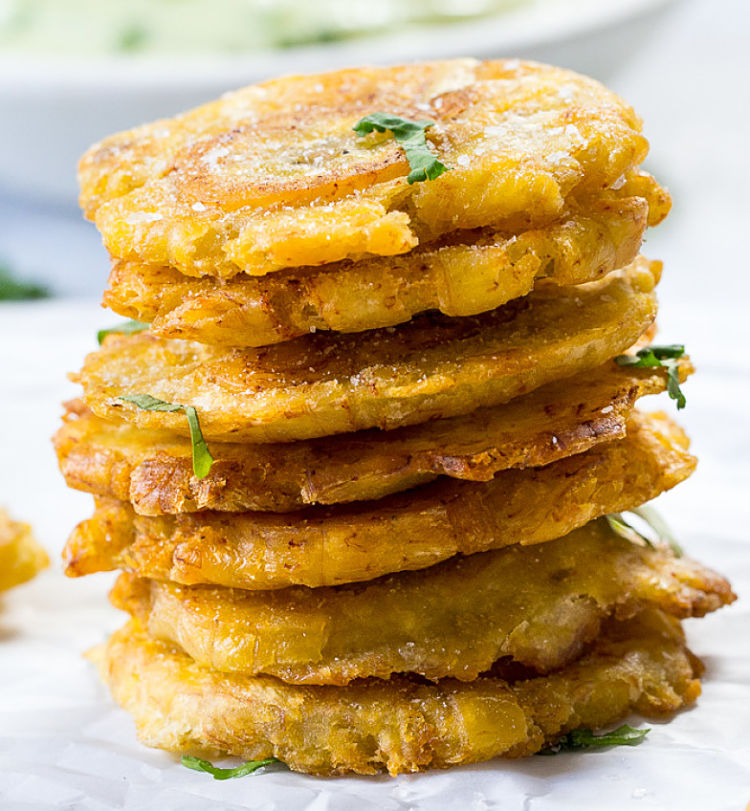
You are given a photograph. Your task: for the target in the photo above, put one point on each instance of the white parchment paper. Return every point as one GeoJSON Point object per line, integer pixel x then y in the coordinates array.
{"type": "Point", "coordinates": [64, 745]}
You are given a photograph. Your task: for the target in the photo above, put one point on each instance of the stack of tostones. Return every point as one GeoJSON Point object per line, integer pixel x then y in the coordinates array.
{"type": "Point", "coordinates": [362, 457]}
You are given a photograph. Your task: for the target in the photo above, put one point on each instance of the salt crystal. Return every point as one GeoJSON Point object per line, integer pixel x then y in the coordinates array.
{"type": "Point", "coordinates": [212, 157]}
{"type": "Point", "coordinates": [566, 92]}
{"type": "Point", "coordinates": [140, 217]}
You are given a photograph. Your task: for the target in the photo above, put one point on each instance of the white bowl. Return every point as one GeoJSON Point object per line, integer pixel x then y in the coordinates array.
{"type": "Point", "coordinates": [53, 109]}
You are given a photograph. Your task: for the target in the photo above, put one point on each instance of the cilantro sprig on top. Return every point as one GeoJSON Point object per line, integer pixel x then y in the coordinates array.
{"type": "Point", "coordinates": [410, 135]}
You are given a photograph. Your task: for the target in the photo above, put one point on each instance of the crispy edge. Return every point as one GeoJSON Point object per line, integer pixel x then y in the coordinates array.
{"type": "Point", "coordinates": [401, 725]}
{"type": "Point", "coordinates": [558, 420]}
{"type": "Point", "coordinates": [540, 607]}
{"type": "Point", "coordinates": [362, 541]}
{"type": "Point", "coordinates": [599, 134]}
{"type": "Point", "coordinates": [459, 276]}
{"type": "Point", "coordinates": [328, 384]}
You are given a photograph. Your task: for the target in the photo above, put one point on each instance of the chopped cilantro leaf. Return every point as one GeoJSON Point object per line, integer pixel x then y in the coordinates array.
{"type": "Point", "coordinates": [582, 739]}
{"type": "Point", "coordinates": [651, 517]}
{"type": "Point", "coordinates": [126, 328]}
{"type": "Point", "coordinates": [659, 526]}
{"type": "Point", "coordinates": [621, 527]}
{"type": "Point", "coordinates": [423, 163]}
{"type": "Point", "coordinates": [665, 356]}
{"type": "Point", "coordinates": [199, 765]}
{"type": "Point", "coordinates": [202, 459]}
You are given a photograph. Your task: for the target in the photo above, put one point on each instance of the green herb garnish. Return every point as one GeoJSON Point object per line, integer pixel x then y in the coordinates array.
{"type": "Point", "coordinates": [11, 289]}
{"type": "Point", "coordinates": [198, 765]}
{"type": "Point", "coordinates": [423, 163]}
{"type": "Point", "coordinates": [648, 514]}
{"type": "Point", "coordinates": [621, 527]}
{"type": "Point", "coordinates": [202, 459]}
{"type": "Point", "coordinates": [126, 328]}
{"type": "Point", "coordinates": [582, 739]}
{"type": "Point", "coordinates": [665, 356]}
{"type": "Point", "coordinates": [659, 526]}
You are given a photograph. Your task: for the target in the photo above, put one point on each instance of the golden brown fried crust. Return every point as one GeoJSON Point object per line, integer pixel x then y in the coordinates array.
{"type": "Point", "coordinates": [413, 530]}
{"type": "Point", "coordinates": [153, 469]}
{"type": "Point", "coordinates": [643, 185]}
{"type": "Point", "coordinates": [538, 605]}
{"type": "Point", "coordinates": [274, 176]}
{"type": "Point", "coordinates": [400, 725]}
{"type": "Point", "coordinates": [463, 274]}
{"type": "Point", "coordinates": [21, 557]}
{"type": "Point", "coordinates": [326, 384]}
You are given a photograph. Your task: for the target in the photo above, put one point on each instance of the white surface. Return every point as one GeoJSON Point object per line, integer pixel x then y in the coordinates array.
{"type": "Point", "coordinates": [63, 744]}
{"type": "Point", "coordinates": [81, 101]}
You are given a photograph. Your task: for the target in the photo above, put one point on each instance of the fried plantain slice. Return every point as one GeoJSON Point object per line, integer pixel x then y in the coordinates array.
{"type": "Point", "coordinates": [21, 557]}
{"type": "Point", "coordinates": [538, 605]}
{"type": "Point", "coordinates": [153, 469]}
{"type": "Point", "coordinates": [413, 530]}
{"type": "Point", "coordinates": [327, 384]}
{"type": "Point", "coordinates": [402, 724]}
{"type": "Point", "coordinates": [274, 175]}
{"type": "Point", "coordinates": [462, 274]}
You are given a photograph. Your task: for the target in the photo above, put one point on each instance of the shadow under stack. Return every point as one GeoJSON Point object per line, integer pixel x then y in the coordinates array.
{"type": "Point", "coordinates": [364, 456]}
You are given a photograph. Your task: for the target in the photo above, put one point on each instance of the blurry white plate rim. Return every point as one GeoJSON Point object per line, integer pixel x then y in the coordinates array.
{"type": "Point", "coordinates": [54, 108]}
{"type": "Point", "coordinates": [532, 24]}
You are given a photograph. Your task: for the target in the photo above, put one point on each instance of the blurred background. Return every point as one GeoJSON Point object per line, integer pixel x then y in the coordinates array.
{"type": "Point", "coordinates": [72, 71]}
